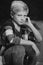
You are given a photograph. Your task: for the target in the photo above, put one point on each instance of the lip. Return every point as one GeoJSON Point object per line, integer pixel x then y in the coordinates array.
{"type": "Point", "coordinates": [21, 23]}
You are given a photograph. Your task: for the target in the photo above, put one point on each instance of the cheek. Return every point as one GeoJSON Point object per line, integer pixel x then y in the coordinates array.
{"type": "Point", "coordinates": [19, 18]}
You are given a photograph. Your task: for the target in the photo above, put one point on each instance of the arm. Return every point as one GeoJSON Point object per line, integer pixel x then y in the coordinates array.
{"type": "Point", "coordinates": [36, 33]}
{"type": "Point", "coordinates": [34, 30]}
{"type": "Point", "coordinates": [20, 41]}
{"type": "Point", "coordinates": [25, 42]}
{"type": "Point", "coordinates": [16, 40]}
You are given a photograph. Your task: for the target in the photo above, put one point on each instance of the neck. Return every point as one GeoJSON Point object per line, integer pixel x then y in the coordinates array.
{"type": "Point", "coordinates": [16, 26]}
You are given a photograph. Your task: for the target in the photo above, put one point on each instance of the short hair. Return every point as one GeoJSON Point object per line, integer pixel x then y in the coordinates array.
{"type": "Point", "coordinates": [17, 6]}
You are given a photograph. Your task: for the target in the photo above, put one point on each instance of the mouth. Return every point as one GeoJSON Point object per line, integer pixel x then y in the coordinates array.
{"type": "Point", "coordinates": [22, 21]}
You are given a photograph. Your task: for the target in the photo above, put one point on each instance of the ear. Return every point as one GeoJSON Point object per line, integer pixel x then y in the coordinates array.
{"type": "Point", "coordinates": [11, 14]}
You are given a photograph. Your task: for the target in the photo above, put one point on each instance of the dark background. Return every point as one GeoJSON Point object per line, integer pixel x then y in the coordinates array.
{"type": "Point", "coordinates": [35, 6]}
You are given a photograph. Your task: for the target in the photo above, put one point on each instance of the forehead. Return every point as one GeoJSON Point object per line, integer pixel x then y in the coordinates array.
{"type": "Point", "coordinates": [22, 13]}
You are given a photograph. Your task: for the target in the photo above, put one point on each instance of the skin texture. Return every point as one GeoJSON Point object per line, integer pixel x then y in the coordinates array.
{"type": "Point", "coordinates": [20, 17]}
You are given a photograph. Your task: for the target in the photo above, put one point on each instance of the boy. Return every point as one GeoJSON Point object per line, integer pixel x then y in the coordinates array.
{"type": "Point", "coordinates": [11, 30]}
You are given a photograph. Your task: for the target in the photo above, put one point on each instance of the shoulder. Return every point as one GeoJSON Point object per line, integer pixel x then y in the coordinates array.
{"type": "Point", "coordinates": [7, 25]}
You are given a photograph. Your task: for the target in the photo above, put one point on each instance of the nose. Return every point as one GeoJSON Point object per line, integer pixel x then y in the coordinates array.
{"type": "Point", "coordinates": [23, 18]}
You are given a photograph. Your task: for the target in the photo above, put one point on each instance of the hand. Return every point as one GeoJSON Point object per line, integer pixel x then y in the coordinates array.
{"type": "Point", "coordinates": [28, 21]}
{"type": "Point", "coordinates": [36, 49]}
{"type": "Point", "coordinates": [38, 53]}
{"type": "Point", "coordinates": [1, 63]}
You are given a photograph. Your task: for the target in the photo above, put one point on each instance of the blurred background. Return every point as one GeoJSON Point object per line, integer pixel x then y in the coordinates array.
{"type": "Point", "coordinates": [35, 14]}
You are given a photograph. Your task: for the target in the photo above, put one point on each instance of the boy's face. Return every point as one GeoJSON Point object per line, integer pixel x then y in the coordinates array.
{"type": "Point", "coordinates": [20, 17]}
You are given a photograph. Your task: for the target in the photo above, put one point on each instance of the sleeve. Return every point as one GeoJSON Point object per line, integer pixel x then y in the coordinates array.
{"type": "Point", "coordinates": [12, 37]}
{"type": "Point", "coordinates": [9, 36]}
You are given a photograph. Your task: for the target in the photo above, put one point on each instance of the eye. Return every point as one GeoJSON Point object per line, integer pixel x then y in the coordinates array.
{"type": "Point", "coordinates": [25, 15]}
{"type": "Point", "coordinates": [19, 15]}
